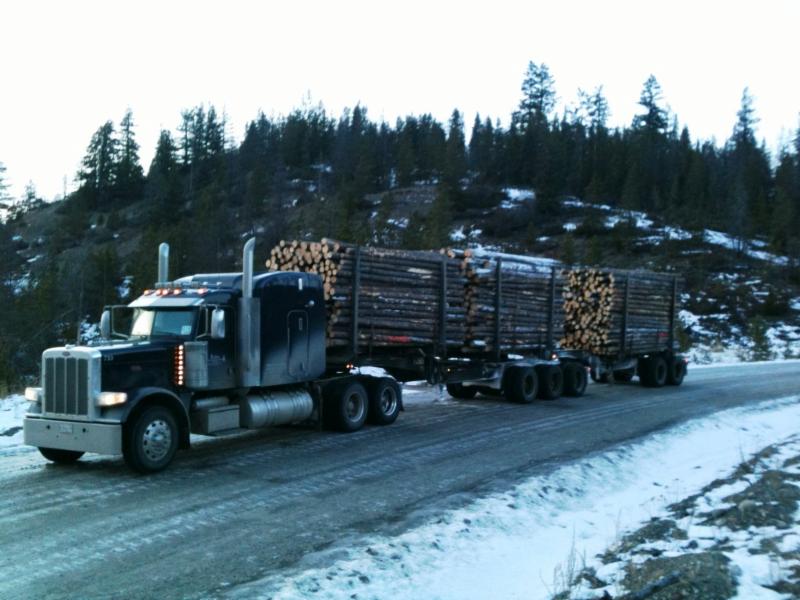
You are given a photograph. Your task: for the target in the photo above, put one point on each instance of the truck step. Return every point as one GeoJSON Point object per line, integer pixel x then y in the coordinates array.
{"type": "Point", "coordinates": [226, 432]}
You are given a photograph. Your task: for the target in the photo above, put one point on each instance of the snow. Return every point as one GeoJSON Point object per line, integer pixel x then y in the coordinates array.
{"type": "Point", "coordinates": [458, 235]}
{"type": "Point", "coordinates": [12, 410]}
{"type": "Point", "coordinates": [726, 241]}
{"type": "Point", "coordinates": [517, 195]}
{"type": "Point", "coordinates": [520, 544]}
{"type": "Point", "coordinates": [401, 223]}
{"type": "Point", "coordinates": [570, 226]}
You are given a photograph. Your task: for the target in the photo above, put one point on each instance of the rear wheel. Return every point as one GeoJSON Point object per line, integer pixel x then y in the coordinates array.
{"type": "Point", "coordinates": [151, 440]}
{"type": "Point", "coordinates": [457, 390]}
{"type": "Point", "coordinates": [346, 407]}
{"type": "Point", "coordinates": [384, 401]}
{"type": "Point", "coordinates": [676, 371]}
{"type": "Point", "coordinates": [575, 379]}
{"type": "Point", "coordinates": [520, 384]}
{"type": "Point", "coordinates": [62, 457]}
{"type": "Point", "coordinates": [653, 371]}
{"type": "Point", "coordinates": [551, 382]}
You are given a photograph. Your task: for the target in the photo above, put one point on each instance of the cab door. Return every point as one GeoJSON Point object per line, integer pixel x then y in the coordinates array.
{"type": "Point", "coordinates": [297, 357]}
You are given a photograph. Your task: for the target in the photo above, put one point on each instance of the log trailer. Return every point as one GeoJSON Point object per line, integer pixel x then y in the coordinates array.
{"type": "Point", "coordinates": [214, 354]}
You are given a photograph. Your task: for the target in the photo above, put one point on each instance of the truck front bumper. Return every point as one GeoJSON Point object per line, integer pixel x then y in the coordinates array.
{"type": "Point", "coordinates": [102, 438]}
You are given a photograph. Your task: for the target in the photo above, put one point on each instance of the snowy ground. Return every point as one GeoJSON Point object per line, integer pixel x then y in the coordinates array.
{"type": "Point", "coordinates": [12, 409]}
{"type": "Point", "coordinates": [532, 541]}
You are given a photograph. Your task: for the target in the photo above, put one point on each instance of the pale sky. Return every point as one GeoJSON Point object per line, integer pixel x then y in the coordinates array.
{"type": "Point", "coordinates": [68, 66]}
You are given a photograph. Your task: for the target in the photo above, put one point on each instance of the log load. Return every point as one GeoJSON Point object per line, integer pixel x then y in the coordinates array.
{"type": "Point", "coordinates": [529, 289]}
{"type": "Point", "coordinates": [613, 312]}
{"type": "Point", "coordinates": [399, 292]}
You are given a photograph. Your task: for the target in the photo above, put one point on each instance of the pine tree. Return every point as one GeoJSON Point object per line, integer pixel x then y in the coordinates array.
{"type": "Point", "coordinates": [538, 95]}
{"type": "Point", "coordinates": [129, 176]}
{"type": "Point", "coordinates": [455, 167]}
{"type": "Point", "coordinates": [99, 167]}
{"type": "Point", "coordinates": [5, 198]}
{"type": "Point", "coordinates": [163, 181]}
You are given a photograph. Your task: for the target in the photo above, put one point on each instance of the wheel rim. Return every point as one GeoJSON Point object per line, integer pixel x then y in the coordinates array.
{"type": "Point", "coordinates": [354, 407]}
{"type": "Point", "coordinates": [388, 401]}
{"type": "Point", "coordinates": [527, 385]}
{"type": "Point", "coordinates": [157, 440]}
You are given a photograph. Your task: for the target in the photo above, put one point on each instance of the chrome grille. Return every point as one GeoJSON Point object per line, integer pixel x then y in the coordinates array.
{"type": "Point", "coordinates": [66, 385]}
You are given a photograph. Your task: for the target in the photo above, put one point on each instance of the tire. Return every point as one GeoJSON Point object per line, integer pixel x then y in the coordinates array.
{"type": "Point", "coordinates": [456, 390]}
{"type": "Point", "coordinates": [150, 440]}
{"type": "Point", "coordinates": [346, 407]}
{"type": "Point", "coordinates": [624, 376]}
{"type": "Point", "coordinates": [599, 378]}
{"type": "Point", "coordinates": [61, 457]}
{"type": "Point", "coordinates": [551, 382]}
{"type": "Point", "coordinates": [520, 385]}
{"type": "Point", "coordinates": [653, 371]}
{"type": "Point", "coordinates": [384, 401]}
{"type": "Point", "coordinates": [575, 379]}
{"type": "Point", "coordinates": [676, 371]}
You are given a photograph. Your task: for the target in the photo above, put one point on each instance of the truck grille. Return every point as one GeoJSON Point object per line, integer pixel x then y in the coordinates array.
{"type": "Point", "coordinates": [66, 385]}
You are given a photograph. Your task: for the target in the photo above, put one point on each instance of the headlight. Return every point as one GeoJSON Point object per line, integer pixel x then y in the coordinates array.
{"type": "Point", "coordinates": [33, 394]}
{"type": "Point", "coordinates": [111, 398]}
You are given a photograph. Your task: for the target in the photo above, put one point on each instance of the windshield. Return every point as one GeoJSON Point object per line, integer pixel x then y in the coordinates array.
{"type": "Point", "coordinates": [153, 323]}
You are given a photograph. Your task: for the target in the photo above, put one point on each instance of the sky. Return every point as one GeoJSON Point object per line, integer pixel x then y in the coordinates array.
{"type": "Point", "coordinates": [67, 67]}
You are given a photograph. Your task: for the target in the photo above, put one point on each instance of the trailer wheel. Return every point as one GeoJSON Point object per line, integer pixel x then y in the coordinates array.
{"type": "Point", "coordinates": [150, 440]}
{"type": "Point", "coordinates": [653, 371]}
{"type": "Point", "coordinates": [521, 384]}
{"type": "Point", "coordinates": [551, 382]}
{"type": "Point", "coordinates": [575, 379]}
{"type": "Point", "coordinates": [62, 457]}
{"type": "Point", "coordinates": [624, 376]}
{"type": "Point", "coordinates": [677, 371]}
{"type": "Point", "coordinates": [384, 401]}
{"type": "Point", "coordinates": [461, 392]}
{"type": "Point", "coordinates": [346, 407]}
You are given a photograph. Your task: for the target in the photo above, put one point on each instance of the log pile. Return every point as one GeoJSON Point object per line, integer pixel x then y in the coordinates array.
{"type": "Point", "coordinates": [595, 315]}
{"type": "Point", "coordinates": [524, 301]}
{"type": "Point", "coordinates": [398, 294]}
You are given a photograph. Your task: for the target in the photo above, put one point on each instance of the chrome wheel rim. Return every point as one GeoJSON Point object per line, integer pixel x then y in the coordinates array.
{"type": "Point", "coordinates": [354, 407]}
{"type": "Point", "coordinates": [157, 440]}
{"type": "Point", "coordinates": [388, 401]}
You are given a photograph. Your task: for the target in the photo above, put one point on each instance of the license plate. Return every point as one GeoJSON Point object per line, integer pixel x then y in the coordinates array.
{"type": "Point", "coordinates": [64, 428]}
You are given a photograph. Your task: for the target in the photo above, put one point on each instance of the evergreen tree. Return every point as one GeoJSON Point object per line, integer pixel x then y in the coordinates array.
{"type": "Point", "coordinates": [455, 158]}
{"type": "Point", "coordinates": [5, 198]}
{"type": "Point", "coordinates": [129, 176]}
{"type": "Point", "coordinates": [99, 167]}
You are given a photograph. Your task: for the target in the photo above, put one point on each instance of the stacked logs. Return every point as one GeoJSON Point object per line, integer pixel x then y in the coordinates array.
{"type": "Point", "coordinates": [612, 312]}
{"type": "Point", "coordinates": [399, 292]}
{"type": "Point", "coordinates": [525, 298]}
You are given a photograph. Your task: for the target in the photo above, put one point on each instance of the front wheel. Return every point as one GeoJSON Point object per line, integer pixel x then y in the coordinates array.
{"type": "Point", "coordinates": [62, 457]}
{"type": "Point", "coordinates": [151, 440]}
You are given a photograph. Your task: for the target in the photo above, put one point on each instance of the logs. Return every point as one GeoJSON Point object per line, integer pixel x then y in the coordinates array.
{"type": "Point", "coordinates": [399, 292]}
{"type": "Point", "coordinates": [528, 289]}
{"type": "Point", "coordinates": [399, 303]}
{"type": "Point", "coordinates": [596, 319]}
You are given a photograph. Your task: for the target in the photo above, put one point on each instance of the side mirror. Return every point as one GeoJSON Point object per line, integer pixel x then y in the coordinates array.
{"type": "Point", "coordinates": [218, 324]}
{"type": "Point", "coordinates": [105, 325]}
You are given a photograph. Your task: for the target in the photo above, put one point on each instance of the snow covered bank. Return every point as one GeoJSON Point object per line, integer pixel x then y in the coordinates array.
{"type": "Point", "coordinates": [519, 544]}
{"type": "Point", "coordinates": [12, 410]}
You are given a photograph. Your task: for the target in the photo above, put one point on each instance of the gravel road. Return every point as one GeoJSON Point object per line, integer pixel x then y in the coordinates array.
{"type": "Point", "coordinates": [235, 509]}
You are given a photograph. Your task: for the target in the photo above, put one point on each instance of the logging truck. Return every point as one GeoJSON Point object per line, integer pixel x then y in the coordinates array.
{"type": "Point", "coordinates": [214, 354]}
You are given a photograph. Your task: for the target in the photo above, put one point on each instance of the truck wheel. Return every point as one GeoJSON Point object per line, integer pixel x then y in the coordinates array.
{"type": "Point", "coordinates": [150, 440]}
{"type": "Point", "coordinates": [384, 401]}
{"type": "Point", "coordinates": [62, 457]}
{"type": "Point", "coordinates": [520, 384]}
{"type": "Point", "coordinates": [346, 407]}
{"type": "Point", "coordinates": [551, 382]}
{"type": "Point", "coordinates": [575, 379]}
{"type": "Point", "coordinates": [456, 390]}
{"type": "Point", "coordinates": [624, 376]}
{"type": "Point", "coordinates": [676, 371]}
{"type": "Point", "coordinates": [653, 371]}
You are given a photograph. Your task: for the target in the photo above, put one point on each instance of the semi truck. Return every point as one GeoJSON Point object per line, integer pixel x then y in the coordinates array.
{"type": "Point", "coordinates": [215, 354]}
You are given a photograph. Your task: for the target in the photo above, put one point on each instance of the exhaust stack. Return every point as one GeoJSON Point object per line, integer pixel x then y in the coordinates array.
{"type": "Point", "coordinates": [163, 263]}
{"type": "Point", "coordinates": [247, 268]}
{"type": "Point", "coordinates": [249, 338]}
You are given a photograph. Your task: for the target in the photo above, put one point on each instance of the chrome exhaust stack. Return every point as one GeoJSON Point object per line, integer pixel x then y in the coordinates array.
{"type": "Point", "coordinates": [163, 264]}
{"type": "Point", "coordinates": [249, 339]}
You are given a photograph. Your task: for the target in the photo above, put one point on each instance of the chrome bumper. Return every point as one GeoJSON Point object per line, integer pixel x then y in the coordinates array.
{"type": "Point", "coordinates": [102, 438]}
